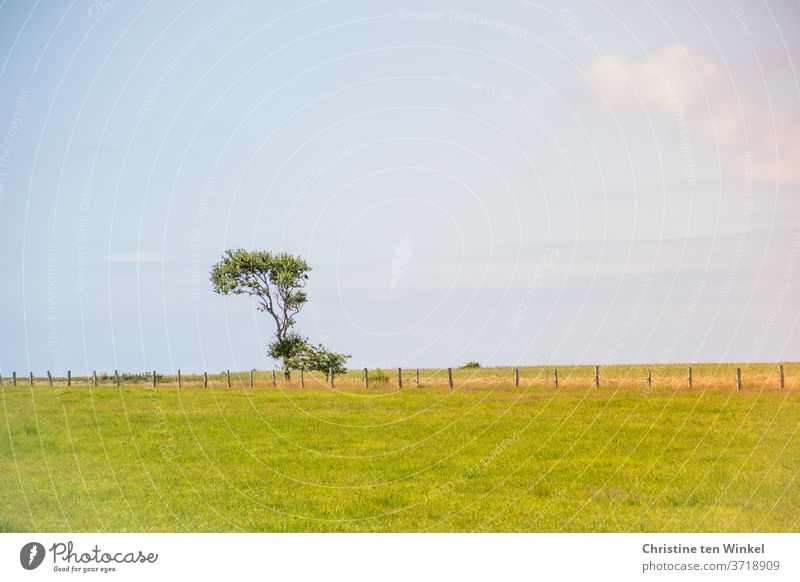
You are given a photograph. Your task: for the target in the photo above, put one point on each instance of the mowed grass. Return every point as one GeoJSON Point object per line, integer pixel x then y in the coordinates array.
{"type": "Point", "coordinates": [482, 456]}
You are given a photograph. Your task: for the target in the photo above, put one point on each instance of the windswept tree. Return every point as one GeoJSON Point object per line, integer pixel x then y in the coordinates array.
{"type": "Point", "coordinates": [276, 282]}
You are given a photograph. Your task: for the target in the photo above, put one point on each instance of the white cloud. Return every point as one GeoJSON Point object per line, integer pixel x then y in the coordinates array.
{"type": "Point", "coordinates": [695, 89]}
{"type": "Point", "coordinates": [137, 257]}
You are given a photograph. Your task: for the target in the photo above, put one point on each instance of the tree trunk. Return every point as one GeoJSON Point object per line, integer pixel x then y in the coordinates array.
{"type": "Point", "coordinates": [287, 375]}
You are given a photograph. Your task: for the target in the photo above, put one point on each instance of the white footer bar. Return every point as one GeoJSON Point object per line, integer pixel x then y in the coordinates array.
{"type": "Point", "coordinates": [388, 557]}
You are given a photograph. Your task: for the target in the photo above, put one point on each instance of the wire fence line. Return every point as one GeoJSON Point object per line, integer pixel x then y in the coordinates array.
{"type": "Point", "coordinates": [555, 377]}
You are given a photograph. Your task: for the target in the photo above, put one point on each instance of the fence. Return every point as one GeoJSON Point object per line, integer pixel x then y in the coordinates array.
{"type": "Point", "coordinates": [588, 377]}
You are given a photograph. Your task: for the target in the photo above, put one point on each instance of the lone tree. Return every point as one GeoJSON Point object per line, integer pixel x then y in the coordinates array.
{"type": "Point", "coordinates": [276, 281]}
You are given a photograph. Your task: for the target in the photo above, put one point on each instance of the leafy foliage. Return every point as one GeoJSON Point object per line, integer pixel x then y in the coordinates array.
{"type": "Point", "coordinates": [377, 376]}
{"type": "Point", "coordinates": [300, 355]}
{"type": "Point", "coordinates": [472, 364]}
{"type": "Point", "coordinates": [323, 360]}
{"type": "Point", "coordinates": [289, 349]}
{"type": "Point", "coordinates": [276, 281]}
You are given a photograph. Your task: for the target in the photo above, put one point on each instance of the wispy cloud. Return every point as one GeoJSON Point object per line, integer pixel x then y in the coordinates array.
{"type": "Point", "coordinates": [680, 81]}
{"type": "Point", "coordinates": [401, 257]}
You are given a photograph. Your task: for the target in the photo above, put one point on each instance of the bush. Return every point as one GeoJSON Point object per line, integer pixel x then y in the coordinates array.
{"type": "Point", "coordinates": [471, 365]}
{"type": "Point", "coordinates": [298, 354]}
{"type": "Point", "coordinates": [320, 359]}
{"type": "Point", "coordinates": [138, 377]}
{"type": "Point", "coordinates": [378, 376]}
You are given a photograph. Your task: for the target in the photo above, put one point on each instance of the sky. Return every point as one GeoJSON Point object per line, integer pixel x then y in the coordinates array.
{"type": "Point", "coordinates": [513, 183]}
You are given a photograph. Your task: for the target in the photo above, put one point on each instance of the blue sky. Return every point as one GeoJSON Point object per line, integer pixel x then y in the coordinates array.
{"type": "Point", "coordinates": [512, 183]}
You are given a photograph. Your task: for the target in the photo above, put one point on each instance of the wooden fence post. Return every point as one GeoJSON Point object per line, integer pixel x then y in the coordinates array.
{"type": "Point", "coordinates": [689, 377]}
{"type": "Point", "coordinates": [302, 379]}
{"type": "Point", "coordinates": [274, 379]}
{"type": "Point", "coordinates": [228, 374]}
{"type": "Point", "coordinates": [49, 378]}
{"type": "Point", "coordinates": [399, 377]}
{"type": "Point", "coordinates": [94, 377]}
{"type": "Point", "coordinates": [31, 378]}
{"type": "Point", "coordinates": [555, 378]}
{"type": "Point", "coordinates": [781, 369]}
{"type": "Point", "coordinates": [366, 378]}
{"type": "Point", "coordinates": [69, 377]}
{"type": "Point", "coordinates": [330, 373]}
{"type": "Point", "coordinates": [116, 377]}
{"type": "Point", "coordinates": [251, 378]}
{"type": "Point", "coordinates": [1, 378]}
{"type": "Point", "coordinates": [597, 376]}
{"type": "Point", "coordinates": [416, 375]}
{"type": "Point", "coordinates": [649, 378]}
{"type": "Point", "coordinates": [516, 377]}
{"type": "Point", "coordinates": [179, 377]}
{"type": "Point", "coordinates": [205, 379]}
{"type": "Point", "coordinates": [450, 376]}
{"type": "Point", "coordinates": [14, 375]}
{"type": "Point", "coordinates": [154, 378]}
{"type": "Point", "coordinates": [738, 378]}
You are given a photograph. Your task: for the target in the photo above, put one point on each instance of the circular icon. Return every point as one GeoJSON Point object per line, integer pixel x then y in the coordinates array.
{"type": "Point", "coordinates": [31, 555]}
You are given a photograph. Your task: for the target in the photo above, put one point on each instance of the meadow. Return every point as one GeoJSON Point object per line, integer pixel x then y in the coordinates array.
{"type": "Point", "coordinates": [484, 455]}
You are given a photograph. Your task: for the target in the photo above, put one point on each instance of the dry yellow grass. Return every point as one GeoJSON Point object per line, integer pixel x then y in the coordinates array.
{"type": "Point", "coordinates": [666, 376]}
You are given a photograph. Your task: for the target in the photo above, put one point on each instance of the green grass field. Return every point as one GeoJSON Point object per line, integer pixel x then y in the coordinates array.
{"type": "Point", "coordinates": [483, 456]}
